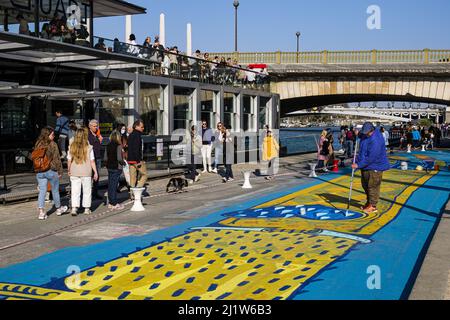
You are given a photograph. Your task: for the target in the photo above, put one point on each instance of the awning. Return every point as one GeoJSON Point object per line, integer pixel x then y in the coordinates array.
{"type": "Point", "coordinates": [54, 93]}
{"type": "Point", "coordinates": [35, 50]}
{"type": "Point", "coordinates": [102, 8]}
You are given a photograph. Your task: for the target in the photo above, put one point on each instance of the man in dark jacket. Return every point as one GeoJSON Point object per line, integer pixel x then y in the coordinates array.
{"type": "Point", "coordinates": [135, 148]}
{"type": "Point", "coordinates": [373, 161]}
{"type": "Point", "coordinates": [94, 141]}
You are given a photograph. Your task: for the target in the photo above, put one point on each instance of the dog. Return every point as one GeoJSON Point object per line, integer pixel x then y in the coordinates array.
{"type": "Point", "coordinates": [176, 185]}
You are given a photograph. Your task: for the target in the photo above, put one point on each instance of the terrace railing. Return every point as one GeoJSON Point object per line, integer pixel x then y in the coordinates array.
{"type": "Point", "coordinates": [426, 56]}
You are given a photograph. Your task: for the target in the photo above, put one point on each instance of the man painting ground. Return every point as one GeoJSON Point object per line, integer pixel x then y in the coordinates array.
{"type": "Point", "coordinates": [372, 161]}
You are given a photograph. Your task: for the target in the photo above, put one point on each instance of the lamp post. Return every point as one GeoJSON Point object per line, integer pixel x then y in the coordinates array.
{"type": "Point", "coordinates": [298, 44]}
{"type": "Point", "coordinates": [236, 5]}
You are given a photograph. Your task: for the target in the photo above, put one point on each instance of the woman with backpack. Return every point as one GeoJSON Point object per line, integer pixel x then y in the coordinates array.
{"type": "Point", "coordinates": [81, 163]}
{"type": "Point", "coordinates": [48, 166]}
{"type": "Point", "coordinates": [114, 165]}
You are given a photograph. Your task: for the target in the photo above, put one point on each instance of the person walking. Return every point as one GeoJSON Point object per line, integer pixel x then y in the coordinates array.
{"type": "Point", "coordinates": [194, 145]}
{"type": "Point", "coordinates": [349, 142]}
{"type": "Point", "coordinates": [270, 150]}
{"type": "Point", "coordinates": [385, 135]}
{"type": "Point", "coordinates": [218, 147]}
{"type": "Point", "coordinates": [207, 140]}
{"type": "Point", "coordinates": [372, 161]}
{"type": "Point", "coordinates": [81, 165]}
{"type": "Point", "coordinates": [48, 168]}
{"type": "Point", "coordinates": [228, 152]}
{"type": "Point", "coordinates": [416, 137]}
{"type": "Point", "coordinates": [62, 132]}
{"type": "Point", "coordinates": [95, 142]}
{"type": "Point", "coordinates": [114, 165]}
{"type": "Point", "coordinates": [138, 168]}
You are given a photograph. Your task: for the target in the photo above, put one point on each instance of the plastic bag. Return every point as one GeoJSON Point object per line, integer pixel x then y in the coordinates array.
{"type": "Point", "coordinates": [126, 172]}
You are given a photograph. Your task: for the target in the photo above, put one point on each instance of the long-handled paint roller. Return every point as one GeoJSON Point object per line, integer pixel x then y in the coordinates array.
{"type": "Point", "coordinates": [351, 180]}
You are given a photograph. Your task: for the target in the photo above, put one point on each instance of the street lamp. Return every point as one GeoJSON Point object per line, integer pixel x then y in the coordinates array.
{"type": "Point", "coordinates": [298, 43]}
{"type": "Point", "coordinates": [236, 5]}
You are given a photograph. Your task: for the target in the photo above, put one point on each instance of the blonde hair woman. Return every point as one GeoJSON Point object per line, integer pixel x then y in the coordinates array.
{"type": "Point", "coordinates": [323, 152]}
{"type": "Point", "coordinates": [81, 163]}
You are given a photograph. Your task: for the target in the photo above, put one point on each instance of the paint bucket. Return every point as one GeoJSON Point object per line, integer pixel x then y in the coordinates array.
{"type": "Point", "coordinates": [404, 165]}
{"type": "Point", "coordinates": [335, 166]}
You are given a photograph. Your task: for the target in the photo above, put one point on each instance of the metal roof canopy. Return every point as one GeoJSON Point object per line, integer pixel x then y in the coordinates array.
{"type": "Point", "coordinates": [53, 93]}
{"type": "Point", "coordinates": [35, 50]}
{"type": "Point", "coordinates": [102, 8]}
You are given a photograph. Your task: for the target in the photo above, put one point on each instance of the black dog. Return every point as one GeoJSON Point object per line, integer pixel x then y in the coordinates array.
{"type": "Point", "coordinates": [176, 185]}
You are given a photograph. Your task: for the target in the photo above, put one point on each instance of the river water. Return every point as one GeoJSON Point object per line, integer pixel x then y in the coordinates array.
{"type": "Point", "coordinates": [302, 140]}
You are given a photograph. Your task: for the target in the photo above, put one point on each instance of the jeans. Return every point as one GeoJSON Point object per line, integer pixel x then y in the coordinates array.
{"type": "Point", "coordinates": [43, 178]}
{"type": "Point", "coordinates": [349, 147]}
{"type": "Point", "coordinates": [228, 171]}
{"type": "Point", "coordinates": [113, 182]}
{"type": "Point", "coordinates": [79, 184]}
{"type": "Point", "coordinates": [62, 144]}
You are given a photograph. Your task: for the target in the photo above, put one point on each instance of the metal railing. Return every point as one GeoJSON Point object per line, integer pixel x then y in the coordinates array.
{"type": "Point", "coordinates": [425, 56]}
{"type": "Point", "coordinates": [176, 65]}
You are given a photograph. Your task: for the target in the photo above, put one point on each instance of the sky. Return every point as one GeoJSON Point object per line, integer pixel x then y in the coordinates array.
{"type": "Point", "coordinates": [265, 25]}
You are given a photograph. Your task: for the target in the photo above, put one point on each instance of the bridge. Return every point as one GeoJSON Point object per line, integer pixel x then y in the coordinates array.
{"type": "Point", "coordinates": [391, 114]}
{"type": "Point", "coordinates": [311, 79]}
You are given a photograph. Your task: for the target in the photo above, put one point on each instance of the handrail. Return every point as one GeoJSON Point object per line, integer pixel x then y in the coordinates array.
{"type": "Point", "coordinates": [425, 56]}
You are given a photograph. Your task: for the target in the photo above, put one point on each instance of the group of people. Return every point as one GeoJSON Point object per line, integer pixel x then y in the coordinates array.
{"type": "Point", "coordinates": [413, 137]}
{"type": "Point", "coordinates": [84, 161]}
{"type": "Point", "coordinates": [200, 66]}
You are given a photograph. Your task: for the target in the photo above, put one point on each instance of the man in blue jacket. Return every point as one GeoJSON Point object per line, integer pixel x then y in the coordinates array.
{"type": "Point", "coordinates": [373, 161]}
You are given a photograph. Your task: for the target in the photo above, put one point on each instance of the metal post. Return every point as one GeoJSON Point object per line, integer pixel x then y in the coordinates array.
{"type": "Point", "coordinates": [236, 5]}
{"type": "Point", "coordinates": [91, 23]}
{"type": "Point", "coordinates": [298, 45]}
{"type": "Point", "coordinates": [36, 18]}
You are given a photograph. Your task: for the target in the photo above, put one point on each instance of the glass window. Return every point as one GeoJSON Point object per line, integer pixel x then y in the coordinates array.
{"type": "Point", "coordinates": [150, 101]}
{"type": "Point", "coordinates": [229, 103]}
{"type": "Point", "coordinates": [111, 110]}
{"type": "Point", "coordinates": [247, 113]}
{"type": "Point", "coordinates": [182, 115]}
{"type": "Point", "coordinates": [207, 107]}
{"type": "Point", "coordinates": [263, 115]}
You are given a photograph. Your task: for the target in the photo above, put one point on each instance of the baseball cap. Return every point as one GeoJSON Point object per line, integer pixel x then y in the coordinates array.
{"type": "Point", "coordinates": [367, 127]}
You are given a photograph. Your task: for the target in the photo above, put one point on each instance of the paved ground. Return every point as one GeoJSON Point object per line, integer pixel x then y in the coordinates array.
{"type": "Point", "coordinates": [24, 237]}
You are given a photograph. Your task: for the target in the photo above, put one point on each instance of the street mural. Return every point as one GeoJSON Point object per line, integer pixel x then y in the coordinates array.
{"type": "Point", "coordinates": [270, 251]}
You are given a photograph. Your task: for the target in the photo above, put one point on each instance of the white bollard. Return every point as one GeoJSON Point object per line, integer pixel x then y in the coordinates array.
{"type": "Point", "coordinates": [423, 148]}
{"type": "Point", "coordinates": [137, 193]}
{"type": "Point", "coordinates": [313, 170]}
{"type": "Point", "coordinates": [404, 165]}
{"type": "Point", "coordinates": [247, 184]}
{"type": "Point", "coordinates": [409, 149]}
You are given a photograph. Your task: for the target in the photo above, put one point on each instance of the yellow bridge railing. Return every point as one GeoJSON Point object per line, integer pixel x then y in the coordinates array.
{"type": "Point", "coordinates": [425, 56]}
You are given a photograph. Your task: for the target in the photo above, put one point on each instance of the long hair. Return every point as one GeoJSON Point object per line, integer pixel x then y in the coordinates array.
{"type": "Point", "coordinates": [116, 137]}
{"type": "Point", "coordinates": [80, 146]}
{"type": "Point", "coordinates": [44, 138]}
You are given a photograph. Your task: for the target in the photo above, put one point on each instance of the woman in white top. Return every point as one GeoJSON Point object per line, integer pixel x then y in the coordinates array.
{"type": "Point", "coordinates": [133, 48]}
{"type": "Point", "coordinates": [81, 163]}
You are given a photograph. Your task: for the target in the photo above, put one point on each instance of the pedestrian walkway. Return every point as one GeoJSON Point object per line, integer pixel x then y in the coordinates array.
{"type": "Point", "coordinates": [289, 238]}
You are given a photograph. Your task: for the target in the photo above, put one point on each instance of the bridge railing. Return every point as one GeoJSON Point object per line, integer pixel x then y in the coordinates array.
{"type": "Point", "coordinates": [425, 56]}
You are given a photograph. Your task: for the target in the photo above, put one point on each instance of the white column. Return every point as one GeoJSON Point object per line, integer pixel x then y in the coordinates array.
{"type": "Point", "coordinates": [128, 27]}
{"type": "Point", "coordinates": [162, 29]}
{"type": "Point", "coordinates": [189, 40]}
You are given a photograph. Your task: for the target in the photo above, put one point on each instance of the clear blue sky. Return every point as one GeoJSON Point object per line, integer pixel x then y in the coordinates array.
{"type": "Point", "coordinates": [271, 25]}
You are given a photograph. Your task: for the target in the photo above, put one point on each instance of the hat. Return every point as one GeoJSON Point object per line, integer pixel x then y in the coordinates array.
{"type": "Point", "coordinates": [367, 127]}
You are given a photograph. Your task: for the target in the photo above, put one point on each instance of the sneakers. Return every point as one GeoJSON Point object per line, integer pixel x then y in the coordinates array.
{"type": "Point", "coordinates": [230, 179]}
{"type": "Point", "coordinates": [370, 209]}
{"type": "Point", "coordinates": [118, 206]}
{"type": "Point", "coordinates": [87, 211]}
{"type": "Point", "coordinates": [214, 170]}
{"type": "Point", "coordinates": [224, 180]}
{"type": "Point", "coordinates": [196, 178]}
{"type": "Point", "coordinates": [204, 171]}
{"type": "Point", "coordinates": [364, 207]}
{"type": "Point", "coordinates": [42, 215]}
{"type": "Point", "coordinates": [60, 211]}
{"type": "Point", "coordinates": [74, 212]}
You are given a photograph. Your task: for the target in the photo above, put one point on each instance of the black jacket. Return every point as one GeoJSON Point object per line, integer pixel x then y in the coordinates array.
{"type": "Point", "coordinates": [135, 146]}
{"type": "Point", "coordinates": [96, 145]}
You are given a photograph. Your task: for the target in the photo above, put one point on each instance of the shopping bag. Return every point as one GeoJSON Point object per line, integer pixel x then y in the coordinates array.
{"type": "Point", "coordinates": [126, 172]}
